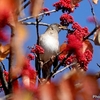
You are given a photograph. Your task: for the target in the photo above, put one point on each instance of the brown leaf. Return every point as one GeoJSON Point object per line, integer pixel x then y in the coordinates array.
{"type": "Point", "coordinates": [63, 48]}
{"type": "Point", "coordinates": [95, 1]}
{"type": "Point", "coordinates": [66, 90]}
{"type": "Point", "coordinates": [90, 87]}
{"type": "Point", "coordinates": [36, 6]}
{"type": "Point", "coordinates": [96, 38]}
{"type": "Point", "coordinates": [48, 92]}
{"type": "Point", "coordinates": [87, 46]}
{"type": "Point", "coordinates": [74, 2]}
{"type": "Point", "coordinates": [4, 51]}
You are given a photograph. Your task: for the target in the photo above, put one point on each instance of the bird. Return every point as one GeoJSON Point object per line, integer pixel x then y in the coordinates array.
{"type": "Point", "coordinates": [49, 41]}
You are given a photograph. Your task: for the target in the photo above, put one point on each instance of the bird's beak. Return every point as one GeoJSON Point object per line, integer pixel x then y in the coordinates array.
{"type": "Point", "coordinates": [62, 27]}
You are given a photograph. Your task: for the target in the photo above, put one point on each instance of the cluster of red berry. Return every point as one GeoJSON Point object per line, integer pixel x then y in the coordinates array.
{"type": "Point", "coordinates": [66, 19]}
{"type": "Point", "coordinates": [65, 6]}
{"type": "Point", "coordinates": [37, 49]}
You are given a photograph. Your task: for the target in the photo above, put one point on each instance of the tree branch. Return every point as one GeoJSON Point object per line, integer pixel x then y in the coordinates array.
{"type": "Point", "coordinates": [3, 65]}
{"type": "Point", "coordinates": [57, 67]}
{"type": "Point", "coordinates": [3, 82]}
{"type": "Point", "coordinates": [30, 17]}
{"type": "Point", "coordinates": [59, 71]}
{"type": "Point", "coordinates": [94, 30]}
{"type": "Point", "coordinates": [34, 23]}
{"type": "Point", "coordinates": [37, 64]}
{"type": "Point", "coordinates": [25, 5]}
{"type": "Point", "coordinates": [50, 58]}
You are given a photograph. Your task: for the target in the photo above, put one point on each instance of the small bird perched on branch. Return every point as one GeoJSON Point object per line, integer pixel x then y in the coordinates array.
{"type": "Point", "coordinates": [50, 43]}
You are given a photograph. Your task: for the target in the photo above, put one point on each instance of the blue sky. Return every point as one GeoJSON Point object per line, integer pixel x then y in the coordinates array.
{"type": "Point", "coordinates": [80, 15]}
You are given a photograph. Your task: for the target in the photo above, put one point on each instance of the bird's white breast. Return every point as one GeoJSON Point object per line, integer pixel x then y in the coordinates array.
{"type": "Point", "coordinates": [50, 45]}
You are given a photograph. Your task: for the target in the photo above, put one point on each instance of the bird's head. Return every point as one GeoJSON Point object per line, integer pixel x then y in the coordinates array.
{"type": "Point", "coordinates": [57, 27]}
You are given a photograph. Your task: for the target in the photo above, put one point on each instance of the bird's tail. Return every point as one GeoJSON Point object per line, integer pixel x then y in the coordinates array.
{"type": "Point", "coordinates": [46, 69]}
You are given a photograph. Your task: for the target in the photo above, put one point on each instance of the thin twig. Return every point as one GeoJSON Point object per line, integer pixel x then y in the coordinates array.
{"type": "Point", "coordinates": [3, 82]}
{"type": "Point", "coordinates": [37, 64]}
{"type": "Point", "coordinates": [94, 30]}
{"type": "Point", "coordinates": [57, 67]}
{"type": "Point", "coordinates": [16, 79]}
{"type": "Point", "coordinates": [3, 66]}
{"type": "Point", "coordinates": [98, 65]}
{"type": "Point", "coordinates": [59, 71]}
{"type": "Point", "coordinates": [92, 11]}
{"type": "Point", "coordinates": [34, 23]}
{"type": "Point", "coordinates": [25, 5]}
{"type": "Point", "coordinates": [50, 58]}
{"type": "Point", "coordinates": [44, 13]}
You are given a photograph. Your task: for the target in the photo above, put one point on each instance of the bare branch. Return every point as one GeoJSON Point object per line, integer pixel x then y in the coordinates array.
{"type": "Point", "coordinates": [58, 66]}
{"type": "Point", "coordinates": [3, 65]}
{"type": "Point", "coordinates": [50, 59]}
{"type": "Point", "coordinates": [3, 82]}
{"type": "Point", "coordinates": [25, 5]}
{"type": "Point", "coordinates": [94, 30]}
{"type": "Point", "coordinates": [98, 65]}
{"type": "Point", "coordinates": [44, 13]}
{"type": "Point", "coordinates": [37, 64]}
{"type": "Point", "coordinates": [59, 71]}
{"type": "Point", "coordinates": [34, 23]}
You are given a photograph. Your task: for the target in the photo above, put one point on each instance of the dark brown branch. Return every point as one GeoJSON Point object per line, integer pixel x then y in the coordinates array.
{"type": "Point", "coordinates": [98, 65]}
{"type": "Point", "coordinates": [94, 30]}
{"type": "Point", "coordinates": [37, 64]}
{"type": "Point", "coordinates": [3, 82]}
{"type": "Point", "coordinates": [10, 60]}
{"type": "Point", "coordinates": [50, 58]}
{"type": "Point", "coordinates": [16, 79]}
{"type": "Point", "coordinates": [3, 65]}
{"type": "Point", "coordinates": [25, 5]}
{"type": "Point", "coordinates": [67, 66]}
{"type": "Point", "coordinates": [57, 67]}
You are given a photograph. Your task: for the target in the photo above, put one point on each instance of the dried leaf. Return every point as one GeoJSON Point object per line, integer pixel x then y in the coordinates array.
{"type": "Point", "coordinates": [63, 48]}
{"type": "Point", "coordinates": [95, 1]}
{"type": "Point", "coordinates": [96, 38]}
{"type": "Point", "coordinates": [66, 90]}
{"type": "Point", "coordinates": [4, 51]}
{"type": "Point", "coordinates": [90, 87]}
{"type": "Point", "coordinates": [74, 2]}
{"type": "Point", "coordinates": [48, 92]}
{"type": "Point", "coordinates": [87, 46]}
{"type": "Point", "coordinates": [36, 6]}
